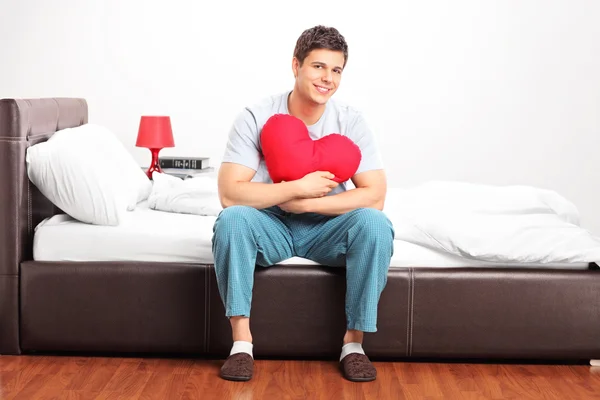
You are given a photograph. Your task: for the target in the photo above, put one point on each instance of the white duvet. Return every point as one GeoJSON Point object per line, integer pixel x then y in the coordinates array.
{"type": "Point", "coordinates": [197, 195]}
{"type": "Point", "coordinates": [483, 222]}
{"type": "Point", "coordinates": [492, 223]}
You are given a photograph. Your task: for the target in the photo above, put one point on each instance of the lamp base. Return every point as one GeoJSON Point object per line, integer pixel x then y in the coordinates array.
{"type": "Point", "coordinates": [154, 164]}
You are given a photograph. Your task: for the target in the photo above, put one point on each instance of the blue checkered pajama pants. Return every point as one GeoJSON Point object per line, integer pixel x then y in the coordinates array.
{"type": "Point", "coordinates": [360, 240]}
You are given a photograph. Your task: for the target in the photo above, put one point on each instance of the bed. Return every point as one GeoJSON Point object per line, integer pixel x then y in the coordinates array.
{"type": "Point", "coordinates": [150, 235]}
{"type": "Point", "coordinates": [148, 286]}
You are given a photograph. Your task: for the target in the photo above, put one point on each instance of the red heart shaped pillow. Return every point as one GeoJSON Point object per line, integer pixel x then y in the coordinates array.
{"type": "Point", "coordinates": [290, 153]}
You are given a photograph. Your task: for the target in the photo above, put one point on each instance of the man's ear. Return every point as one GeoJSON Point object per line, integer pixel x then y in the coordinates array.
{"type": "Point", "coordinates": [295, 66]}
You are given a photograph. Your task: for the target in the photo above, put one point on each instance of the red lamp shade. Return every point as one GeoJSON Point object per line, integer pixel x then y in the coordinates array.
{"type": "Point", "coordinates": [155, 133]}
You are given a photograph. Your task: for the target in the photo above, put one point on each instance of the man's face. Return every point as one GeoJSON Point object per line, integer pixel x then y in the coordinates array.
{"type": "Point", "coordinates": [319, 76]}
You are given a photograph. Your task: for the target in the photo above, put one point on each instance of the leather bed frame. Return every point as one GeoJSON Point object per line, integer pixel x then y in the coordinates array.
{"type": "Point", "coordinates": [297, 310]}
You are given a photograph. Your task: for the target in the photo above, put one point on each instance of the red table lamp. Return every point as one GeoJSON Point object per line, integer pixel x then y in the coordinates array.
{"type": "Point", "coordinates": [155, 133]}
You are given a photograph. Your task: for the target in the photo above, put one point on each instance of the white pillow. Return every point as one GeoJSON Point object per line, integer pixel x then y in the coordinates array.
{"type": "Point", "coordinates": [103, 143]}
{"type": "Point", "coordinates": [87, 172]}
{"type": "Point", "coordinates": [198, 195]}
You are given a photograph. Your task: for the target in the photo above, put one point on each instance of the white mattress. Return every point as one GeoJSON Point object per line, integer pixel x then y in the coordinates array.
{"type": "Point", "coordinates": [149, 235]}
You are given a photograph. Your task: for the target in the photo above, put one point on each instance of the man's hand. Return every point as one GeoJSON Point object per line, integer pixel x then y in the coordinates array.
{"type": "Point", "coordinates": [369, 193]}
{"type": "Point", "coordinates": [236, 188]}
{"type": "Point", "coordinates": [296, 206]}
{"type": "Point", "coordinates": [315, 184]}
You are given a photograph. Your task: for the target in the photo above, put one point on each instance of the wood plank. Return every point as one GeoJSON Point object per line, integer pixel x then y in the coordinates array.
{"type": "Point", "coordinates": [106, 378]}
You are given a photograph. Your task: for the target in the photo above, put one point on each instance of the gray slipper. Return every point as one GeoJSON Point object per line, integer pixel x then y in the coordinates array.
{"type": "Point", "coordinates": [358, 368]}
{"type": "Point", "coordinates": [238, 367]}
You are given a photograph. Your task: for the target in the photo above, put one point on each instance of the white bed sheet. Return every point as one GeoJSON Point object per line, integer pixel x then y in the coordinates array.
{"type": "Point", "coordinates": [150, 235]}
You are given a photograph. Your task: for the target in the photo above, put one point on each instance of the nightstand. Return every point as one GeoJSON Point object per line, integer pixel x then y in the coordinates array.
{"type": "Point", "coordinates": [185, 173]}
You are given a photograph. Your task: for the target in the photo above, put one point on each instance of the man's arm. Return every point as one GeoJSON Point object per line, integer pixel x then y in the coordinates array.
{"type": "Point", "coordinates": [240, 162]}
{"type": "Point", "coordinates": [371, 188]}
{"type": "Point", "coordinates": [235, 187]}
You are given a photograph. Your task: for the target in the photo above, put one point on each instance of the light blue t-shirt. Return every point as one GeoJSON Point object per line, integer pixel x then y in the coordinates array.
{"type": "Point", "coordinates": [243, 146]}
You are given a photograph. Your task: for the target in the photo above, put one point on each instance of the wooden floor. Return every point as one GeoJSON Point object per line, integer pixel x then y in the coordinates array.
{"type": "Point", "coordinates": [45, 377]}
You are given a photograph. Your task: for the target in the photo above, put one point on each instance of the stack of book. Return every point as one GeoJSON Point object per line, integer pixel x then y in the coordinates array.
{"type": "Point", "coordinates": [184, 167]}
{"type": "Point", "coordinates": [197, 163]}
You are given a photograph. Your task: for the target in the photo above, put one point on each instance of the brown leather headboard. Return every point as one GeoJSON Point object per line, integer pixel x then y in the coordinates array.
{"type": "Point", "coordinates": [23, 123]}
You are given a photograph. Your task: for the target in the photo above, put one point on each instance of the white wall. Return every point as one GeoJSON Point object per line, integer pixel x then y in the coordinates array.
{"type": "Point", "coordinates": [498, 92]}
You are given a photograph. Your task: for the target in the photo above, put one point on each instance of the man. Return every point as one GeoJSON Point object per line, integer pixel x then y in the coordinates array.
{"type": "Point", "coordinates": [263, 223]}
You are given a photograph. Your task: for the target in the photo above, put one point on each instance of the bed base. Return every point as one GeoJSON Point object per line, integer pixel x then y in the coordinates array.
{"type": "Point", "coordinates": [298, 311]}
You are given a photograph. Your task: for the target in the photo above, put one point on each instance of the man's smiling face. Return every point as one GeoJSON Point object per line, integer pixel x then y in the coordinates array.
{"type": "Point", "coordinates": [320, 74]}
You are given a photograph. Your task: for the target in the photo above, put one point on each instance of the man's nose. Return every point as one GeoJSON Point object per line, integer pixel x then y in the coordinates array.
{"type": "Point", "coordinates": [327, 77]}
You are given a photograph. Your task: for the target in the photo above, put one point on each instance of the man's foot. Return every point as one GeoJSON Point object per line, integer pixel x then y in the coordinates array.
{"type": "Point", "coordinates": [238, 367]}
{"type": "Point", "coordinates": [357, 367]}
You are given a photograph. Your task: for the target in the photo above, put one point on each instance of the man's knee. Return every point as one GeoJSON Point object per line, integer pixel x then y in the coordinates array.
{"type": "Point", "coordinates": [374, 222]}
{"type": "Point", "coordinates": [234, 219]}
{"type": "Point", "coordinates": [372, 218]}
{"type": "Point", "coordinates": [233, 213]}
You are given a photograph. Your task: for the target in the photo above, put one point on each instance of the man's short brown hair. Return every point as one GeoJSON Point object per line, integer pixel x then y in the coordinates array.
{"type": "Point", "coordinates": [320, 37]}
